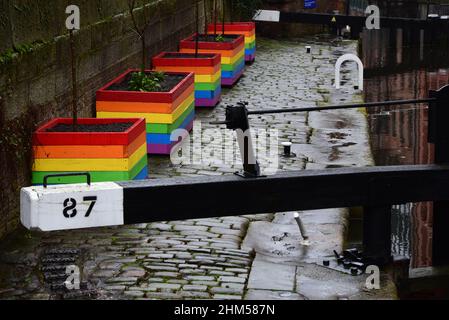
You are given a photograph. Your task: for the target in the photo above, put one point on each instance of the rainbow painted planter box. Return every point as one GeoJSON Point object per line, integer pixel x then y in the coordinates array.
{"type": "Point", "coordinates": [207, 70]}
{"type": "Point", "coordinates": [164, 112]}
{"type": "Point", "coordinates": [247, 29]}
{"type": "Point", "coordinates": [115, 155]}
{"type": "Point", "coordinates": [232, 52]}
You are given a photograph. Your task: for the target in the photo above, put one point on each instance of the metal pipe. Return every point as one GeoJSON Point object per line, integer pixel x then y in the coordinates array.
{"type": "Point", "coordinates": [347, 106]}
{"type": "Point", "coordinates": [301, 226]}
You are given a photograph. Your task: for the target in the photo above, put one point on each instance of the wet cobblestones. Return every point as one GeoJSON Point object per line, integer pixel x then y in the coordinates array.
{"type": "Point", "coordinates": [193, 259]}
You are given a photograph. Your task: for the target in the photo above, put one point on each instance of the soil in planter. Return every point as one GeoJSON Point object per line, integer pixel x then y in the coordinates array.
{"type": "Point", "coordinates": [107, 127]}
{"type": "Point", "coordinates": [213, 38]}
{"type": "Point", "coordinates": [170, 81]}
{"type": "Point", "coordinates": [187, 56]}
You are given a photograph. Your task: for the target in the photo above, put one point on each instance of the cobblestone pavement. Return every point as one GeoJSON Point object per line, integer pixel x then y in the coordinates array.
{"type": "Point", "coordinates": [197, 259]}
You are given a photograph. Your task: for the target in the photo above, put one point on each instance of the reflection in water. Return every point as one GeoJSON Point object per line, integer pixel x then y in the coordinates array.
{"type": "Point", "coordinates": [396, 71]}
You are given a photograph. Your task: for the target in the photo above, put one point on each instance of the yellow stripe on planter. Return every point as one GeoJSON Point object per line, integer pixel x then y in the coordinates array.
{"type": "Point", "coordinates": [231, 60]}
{"type": "Point", "coordinates": [208, 78]}
{"type": "Point", "coordinates": [90, 164]}
{"type": "Point", "coordinates": [250, 39]}
{"type": "Point", "coordinates": [152, 117]}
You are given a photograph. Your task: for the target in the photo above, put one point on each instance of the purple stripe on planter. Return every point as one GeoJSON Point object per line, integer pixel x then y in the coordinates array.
{"type": "Point", "coordinates": [229, 82]}
{"type": "Point", "coordinates": [166, 148]}
{"type": "Point", "coordinates": [250, 58]}
{"type": "Point", "coordinates": [207, 102]}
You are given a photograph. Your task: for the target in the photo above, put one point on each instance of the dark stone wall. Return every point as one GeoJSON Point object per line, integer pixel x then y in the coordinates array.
{"type": "Point", "coordinates": [35, 78]}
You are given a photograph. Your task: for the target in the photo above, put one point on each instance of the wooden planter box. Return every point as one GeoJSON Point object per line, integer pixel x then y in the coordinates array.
{"type": "Point", "coordinates": [163, 112]}
{"type": "Point", "coordinates": [107, 156]}
{"type": "Point", "coordinates": [247, 29]}
{"type": "Point", "coordinates": [232, 55]}
{"type": "Point", "coordinates": [207, 70]}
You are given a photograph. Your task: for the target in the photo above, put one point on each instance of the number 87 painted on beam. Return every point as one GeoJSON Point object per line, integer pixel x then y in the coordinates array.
{"type": "Point", "coordinates": [72, 206]}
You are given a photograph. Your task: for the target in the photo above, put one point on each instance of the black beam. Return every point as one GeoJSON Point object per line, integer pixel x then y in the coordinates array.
{"type": "Point", "coordinates": [439, 132]}
{"type": "Point", "coordinates": [377, 234]}
{"type": "Point", "coordinates": [359, 21]}
{"type": "Point", "coordinates": [200, 197]}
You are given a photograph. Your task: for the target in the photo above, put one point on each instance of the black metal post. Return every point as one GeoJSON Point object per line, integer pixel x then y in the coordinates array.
{"type": "Point", "coordinates": [377, 234]}
{"type": "Point", "coordinates": [439, 131]}
{"type": "Point", "coordinates": [197, 21]}
{"type": "Point", "coordinates": [215, 18]}
{"type": "Point", "coordinates": [237, 119]}
{"type": "Point", "coordinates": [223, 23]}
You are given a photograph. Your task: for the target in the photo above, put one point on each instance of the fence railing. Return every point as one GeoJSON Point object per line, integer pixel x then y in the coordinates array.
{"type": "Point", "coordinates": [398, 8]}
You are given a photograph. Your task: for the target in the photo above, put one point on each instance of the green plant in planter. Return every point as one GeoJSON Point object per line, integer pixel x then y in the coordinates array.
{"type": "Point", "coordinates": [219, 38]}
{"type": "Point", "coordinates": [143, 82]}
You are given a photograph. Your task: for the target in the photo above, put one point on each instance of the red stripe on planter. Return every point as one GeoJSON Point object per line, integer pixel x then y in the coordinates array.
{"type": "Point", "coordinates": [42, 137]}
{"type": "Point", "coordinates": [233, 26]}
{"type": "Point", "coordinates": [161, 60]}
{"type": "Point", "coordinates": [190, 43]}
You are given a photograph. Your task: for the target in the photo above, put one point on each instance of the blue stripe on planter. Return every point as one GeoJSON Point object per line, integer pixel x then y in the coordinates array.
{"type": "Point", "coordinates": [200, 94]}
{"type": "Point", "coordinates": [142, 174]}
{"type": "Point", "coordinates": [249, 52]}
{"type": "Point", "coordinates": [164, 138]}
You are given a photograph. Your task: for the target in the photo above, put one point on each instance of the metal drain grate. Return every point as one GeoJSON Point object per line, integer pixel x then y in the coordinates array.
{"type": "Point", "coordinates": [54, 263]}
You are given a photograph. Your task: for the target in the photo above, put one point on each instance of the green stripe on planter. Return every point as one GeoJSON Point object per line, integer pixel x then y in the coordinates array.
{"type": "Point", "coordinates": [232, 67]}
{"type": "Point", "coordinates": [168, 128]}
{"type": "Point", "coordinates": [250, 45]}
{"type": "Point", "coordinates": [204, 86]}
{"type": "Point", "coordinates": [97, 176]}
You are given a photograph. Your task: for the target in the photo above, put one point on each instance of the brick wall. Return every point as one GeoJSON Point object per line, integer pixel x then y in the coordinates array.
{"type": "Point", "coordinates": [35, 81]}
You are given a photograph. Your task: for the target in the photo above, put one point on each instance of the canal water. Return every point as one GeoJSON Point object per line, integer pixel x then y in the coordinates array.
{"type": "Point", "coordinates": [395, 69]}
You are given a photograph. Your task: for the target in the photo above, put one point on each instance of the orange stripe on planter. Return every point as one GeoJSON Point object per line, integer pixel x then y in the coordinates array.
{"type": "Point", "coordinates": [101, 164]}
{"type": "Point", "coordinates": [144, 107]}
{"type": "Point", "coordinates": [89, 152]}
{"type": "Point", "coordinates": [196, 70]}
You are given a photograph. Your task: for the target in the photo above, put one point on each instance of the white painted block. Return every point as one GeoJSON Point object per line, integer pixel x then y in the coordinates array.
{"type": "Point", "coordinates": [267, 15]}
{"type": "Point", "coordinates": [74, 206]}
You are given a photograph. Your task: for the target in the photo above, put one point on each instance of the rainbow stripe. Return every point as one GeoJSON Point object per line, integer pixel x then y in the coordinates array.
{"type": "Point", "coordinates": [247, 29]}
{"type": "Point", "coordinates": [162, 118]}
{"type": "Point", "coordinates": [232, 56]}
{"type": "Point", "coordinates": [117, 161]}
{"type": "Point", "coordinates": [206, 70]}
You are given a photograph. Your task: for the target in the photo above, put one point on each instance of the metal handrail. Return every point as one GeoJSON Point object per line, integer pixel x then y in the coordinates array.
{"type": "Point", "coordinates": [347, 106]}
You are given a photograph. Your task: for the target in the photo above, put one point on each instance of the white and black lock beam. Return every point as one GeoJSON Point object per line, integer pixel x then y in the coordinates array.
{"type": "Point", "coordinates": [75, 206]}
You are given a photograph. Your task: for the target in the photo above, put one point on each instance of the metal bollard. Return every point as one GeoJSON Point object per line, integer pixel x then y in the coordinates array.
{"type": "Point", "coordinates": [288, 150]}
